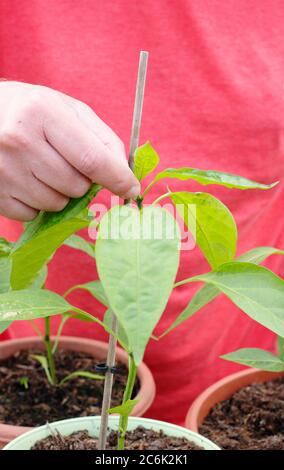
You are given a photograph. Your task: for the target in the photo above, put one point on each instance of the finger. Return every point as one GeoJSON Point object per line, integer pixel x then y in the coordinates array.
{"type": "Point", "coordinates": [38, 195]}
{"type": "Point", "coordinates": [54, 171]}
{"type": "Point", "coordinates": [17, 210]}
{"type": "Point", "coordinates": [88, 153]}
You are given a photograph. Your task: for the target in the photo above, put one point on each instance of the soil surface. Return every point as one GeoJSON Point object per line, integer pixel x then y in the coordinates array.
{"type": "Point", "coordinates": [139, 439]}
{"type": "Point", "coordinates": [41, 402]}
{"type": "Point", "coordinates": [253, 418]}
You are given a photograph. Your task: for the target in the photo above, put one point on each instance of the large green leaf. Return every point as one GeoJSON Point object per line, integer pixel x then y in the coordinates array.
{"type": "Point", "coordinates": [212, 177]}
{"type": "Point", "coordinates": [254, 289]}
{"type": "Point", "coordinates": [209, 292]}
{"type": "Point", "coordinates": [29, 259]}
{"type": "Point", "coordinates": [29, 304]}
{"type": "Point", "coordinates": [46, 220]}
{"type": "Point", "coordinates": [211, 223]}
{"type": "Point", "coordinates": [79, 243]}
{"type": "Point", "coordinates": [257, 358]}
{"type": "Point", "coordinates": [137, 257]}
{"type": "Point", "coordinates": [145, 160]}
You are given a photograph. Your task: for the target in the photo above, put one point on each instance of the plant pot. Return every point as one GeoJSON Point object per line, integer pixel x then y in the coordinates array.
{"type": "Point", "coordinates": [222, 390]}
{"type": "Point", "coordinates": [98, 349]}
{"type": "Point", "coordinates": [92, 425]}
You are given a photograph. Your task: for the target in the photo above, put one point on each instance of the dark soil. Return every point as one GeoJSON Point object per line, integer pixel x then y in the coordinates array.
{"type": "Point", "coordinates": [42, 402]}
{"type": "Point", "coordinates": [253, 418]}
{"type": "Point", "coordinates": [139, 439]}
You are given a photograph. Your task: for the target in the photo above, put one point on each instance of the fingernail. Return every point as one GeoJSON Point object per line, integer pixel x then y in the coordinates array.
{"type": "Point", "coordinates": [133, 192]}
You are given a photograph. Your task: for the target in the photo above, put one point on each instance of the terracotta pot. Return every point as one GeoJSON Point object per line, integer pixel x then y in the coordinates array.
{"type": "Point", "coordinates": [98, 349]}
{"type": "Point", "coordinates": [222, 390]}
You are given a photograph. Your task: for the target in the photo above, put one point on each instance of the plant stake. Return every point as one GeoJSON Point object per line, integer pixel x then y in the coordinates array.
{"type": "Point", "coordinates": [136, 124]}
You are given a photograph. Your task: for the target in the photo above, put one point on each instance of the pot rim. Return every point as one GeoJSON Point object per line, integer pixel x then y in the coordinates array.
{"type": "Point", "coordinates": [93, 423]}
{"type": "Point", "coordinates": [222, 390]}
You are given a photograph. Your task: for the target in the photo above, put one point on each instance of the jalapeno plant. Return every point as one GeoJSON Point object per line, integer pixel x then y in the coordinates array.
{"type": "Point", "coordinates": [137, 254]}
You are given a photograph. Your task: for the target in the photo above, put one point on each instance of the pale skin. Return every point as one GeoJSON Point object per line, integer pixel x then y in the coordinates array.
{"type": "Point", "coordinates": [52, 148]}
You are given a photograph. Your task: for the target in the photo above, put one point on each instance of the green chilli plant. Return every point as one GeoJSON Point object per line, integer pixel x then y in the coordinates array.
{"type": "Point", "coordinates": [137, 253]}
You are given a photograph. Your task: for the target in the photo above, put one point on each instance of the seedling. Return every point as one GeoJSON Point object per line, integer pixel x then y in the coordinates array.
{"type": "Point", "coordinates": [24, 381]}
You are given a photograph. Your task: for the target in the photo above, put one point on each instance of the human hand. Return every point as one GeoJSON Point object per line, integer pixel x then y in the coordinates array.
{"type": "Point", "coordinates": [52, 147]}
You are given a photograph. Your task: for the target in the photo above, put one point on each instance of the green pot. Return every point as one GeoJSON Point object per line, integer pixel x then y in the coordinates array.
{"type": "Point", "coordinates": [92, 425]}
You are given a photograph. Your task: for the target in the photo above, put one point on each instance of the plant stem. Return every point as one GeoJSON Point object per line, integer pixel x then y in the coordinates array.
{"type": "Point", "coordinates": [48, 346]}
{"type": "Point", "coordinates": [160, 198]}
{"type": "Point", "coordinates": [123, 420]}
{"type": "Point", "coordinates": [146, 190]}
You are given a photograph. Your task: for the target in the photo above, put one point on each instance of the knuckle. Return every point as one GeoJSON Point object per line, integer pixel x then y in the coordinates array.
{"type": "Point", "coordinates": [13, 138]}
{"type": "Point", "coordinates": [35, 103]}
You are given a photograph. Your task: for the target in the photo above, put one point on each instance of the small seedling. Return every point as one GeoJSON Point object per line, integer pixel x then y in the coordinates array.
{"type": "Point", "coordinates": [24, 381]}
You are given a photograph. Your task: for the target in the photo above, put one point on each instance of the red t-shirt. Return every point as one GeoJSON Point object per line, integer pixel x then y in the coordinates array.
{"type": "Point", "coordinates": [214, 100]}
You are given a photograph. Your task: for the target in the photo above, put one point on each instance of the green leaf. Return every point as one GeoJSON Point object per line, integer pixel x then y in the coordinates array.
{"type": "Point", "coordinates": [211, 223]}
{"type": "Point", "coordinates": [209, 292]}
{"type": "Point", "coordinates": [29, 259]}
{"type": "Point", "coordinates": [137, 254]}
{"type": "Point", "coordinates": [212, 177]}
{"type": "Point", "coordinates": [145, 160]}
{"type": "Point", "coordinates": [78, 243]}
{"type": "Point", "coordinates": [125, 409]}
{"type": "Point", "coordinates": [258, 255]}
{"type": "Point", "coordinates": [95, 288]}
{"type": "Point", "coordinates": [121, 334]}
{"type": "Point", "coordinates": [44, 364]}
{"type": "Point", "coordinates": [81, 373]}
{"type": "Point", "coordinates": [257, 358]}
{"type": "Point", "coordinates": [46, 220]}
{"type": "Point", "coordinates": [43, 236]}
{"type": "Point", "coordinates": [254, 289]}
{"type": "Point", "coordinates": [280, 347]}
{"type": "Point", "coordinates": [5, 247]}
{"type": "Point", "coordinates": [30, 304]}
